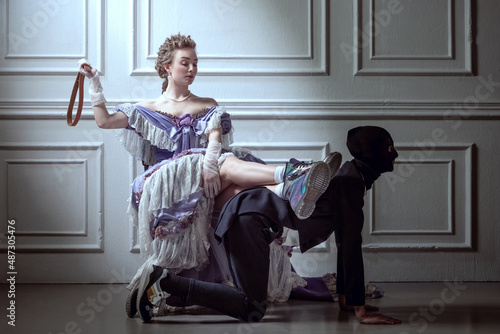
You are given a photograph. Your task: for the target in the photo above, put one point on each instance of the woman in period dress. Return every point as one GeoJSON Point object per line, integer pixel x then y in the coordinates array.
{"type": "Point", "coordinates": [184, 140]}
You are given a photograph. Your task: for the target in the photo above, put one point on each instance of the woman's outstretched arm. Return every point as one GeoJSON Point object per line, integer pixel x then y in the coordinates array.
{"type": "Point", "coordinates": [103, 118]}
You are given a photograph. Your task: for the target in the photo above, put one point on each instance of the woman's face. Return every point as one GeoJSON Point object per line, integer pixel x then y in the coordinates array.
{"type": "Point", "coordinates": [184, 67]}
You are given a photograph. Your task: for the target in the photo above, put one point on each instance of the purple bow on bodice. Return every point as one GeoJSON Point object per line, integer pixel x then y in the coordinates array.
{"type": "Point", "coordinates": [182, 130]}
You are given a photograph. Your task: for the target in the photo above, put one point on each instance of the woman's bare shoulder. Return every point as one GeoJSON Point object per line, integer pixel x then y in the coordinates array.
{"type": "Point", "coordinates": [206, 102]}
{"type": "Point", "coordinates": [150, 104]}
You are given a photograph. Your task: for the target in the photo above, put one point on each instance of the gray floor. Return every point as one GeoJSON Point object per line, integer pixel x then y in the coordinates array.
{"type": "Point", "coordinates": [423, 307]}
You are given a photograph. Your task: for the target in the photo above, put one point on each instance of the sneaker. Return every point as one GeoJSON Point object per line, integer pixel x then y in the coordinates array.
{"type": "Point", "coordinates": [131, 302]}
{"type": "Point", "coordinates": [334, 160]}
{"type": "Point", "coordinates": [304, 183]}
{"type": "Point", "coordinates": [150, 294]}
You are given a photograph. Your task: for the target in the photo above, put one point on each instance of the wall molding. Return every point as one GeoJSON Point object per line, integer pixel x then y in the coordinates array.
{"type": "Point", "coordinates": [451, 215]}
{"type": "Point", "coordinates": [287, 109]}
{"type": "Point", "coordinates": [314, 62]}
{"type": "Point", "coordinates": [67, 162]}
{"type": "Point", "coordinates": [462, 212]}
{"type": "Point", "coordinates": [366, 63]}
{"type": "Point", "coordinates": [449, 33]}
{"type": "Point", "coordinates": [89, 239]}
{"type": "Point", "coordinates": [63, 64]}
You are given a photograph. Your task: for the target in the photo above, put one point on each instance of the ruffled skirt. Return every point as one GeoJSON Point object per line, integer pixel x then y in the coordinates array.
{"type": "Point", "coordinates": [175, 224]}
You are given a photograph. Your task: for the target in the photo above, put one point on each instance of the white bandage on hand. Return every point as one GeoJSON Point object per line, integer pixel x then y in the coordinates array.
{"type": "Point", "coordinates": [210, 172]}
{"type": "Point", "coordinates": [95, 87]}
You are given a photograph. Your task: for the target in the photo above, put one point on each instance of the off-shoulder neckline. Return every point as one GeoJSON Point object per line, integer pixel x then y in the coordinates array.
{"type": "Point", "coordinates": [195, 116]}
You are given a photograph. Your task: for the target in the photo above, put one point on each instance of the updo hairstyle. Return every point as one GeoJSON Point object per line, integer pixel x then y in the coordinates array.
{"type": "Point", "coordinates": [167, 52]}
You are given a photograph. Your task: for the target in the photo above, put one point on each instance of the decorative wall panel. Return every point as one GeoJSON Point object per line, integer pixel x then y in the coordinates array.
{"type": "Point", "coordinates": [383, 29]}
{"type": "Point", "coordinates": [293, 43]}
{"type": "Point", "coordinates": [49, 37]}
{"type": "Point", "coordinates": [426, 203]}
{"type": "Point", "coordinates": [280, 69]}
{"type": "Point", "coordinates": [54, 193]}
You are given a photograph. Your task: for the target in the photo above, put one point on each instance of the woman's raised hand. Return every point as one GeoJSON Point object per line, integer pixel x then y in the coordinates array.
{"type": "Point", "coordinates": [95, 87]}
{"type": "Point", "coordinates": [86, 69]}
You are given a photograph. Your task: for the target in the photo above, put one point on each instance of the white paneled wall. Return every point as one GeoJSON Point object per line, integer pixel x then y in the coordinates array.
{"type": "Point", "coordinates": [54, 192]}
{"type": "Point", "coordinates": [393, 38]}
{"type": "Point", "coordinates": [295, 75]}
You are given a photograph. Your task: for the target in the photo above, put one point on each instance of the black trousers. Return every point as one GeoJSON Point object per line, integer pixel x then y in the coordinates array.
{"type": "Point", "coordinates": [248, 223]}
{"type": "Point", "coordinates": [247, 247]}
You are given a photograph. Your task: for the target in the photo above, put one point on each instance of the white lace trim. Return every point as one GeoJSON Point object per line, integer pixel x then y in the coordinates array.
{"type": "Point", "coordinates": [281, 278]}
{"type": "Point", "coordinates": [136, 145]}
{"type": "Point", "coordinates": [170, 184]}
{"type": "Point", "coordinates": [185, 251]}
{"type": "Point", "coordinates": [214, 123]}
{"type": "Point", "coordinates": [176, 181]}
{"type": "Point", "coordinates": [140, 146]}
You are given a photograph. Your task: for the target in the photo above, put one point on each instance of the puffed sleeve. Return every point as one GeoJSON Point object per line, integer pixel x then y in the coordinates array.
{"type": "Point", "coordinates": [137, 136]}
{"type": "Point", "coordinates": [225, 122]}
{"type": "Point", "coordinates": [218, 117]}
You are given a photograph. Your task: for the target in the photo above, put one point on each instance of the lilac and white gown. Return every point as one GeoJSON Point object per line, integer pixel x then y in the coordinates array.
{"type": "Point", "coordinates": [174, 218]}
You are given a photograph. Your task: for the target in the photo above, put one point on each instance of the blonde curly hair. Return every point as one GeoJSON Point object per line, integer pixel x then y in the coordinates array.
{"type": "Point", "coordinates": [167, 52]}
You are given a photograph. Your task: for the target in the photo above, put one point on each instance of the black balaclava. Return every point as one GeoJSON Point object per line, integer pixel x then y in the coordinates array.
{"type": "Point", "coordinates": [370, 144]}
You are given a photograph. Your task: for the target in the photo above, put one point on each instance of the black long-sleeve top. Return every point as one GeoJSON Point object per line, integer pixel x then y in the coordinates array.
{"type": "Point", "coordinates": [339, 209]}
{"type": "Point", "coordinates": [349, 186]}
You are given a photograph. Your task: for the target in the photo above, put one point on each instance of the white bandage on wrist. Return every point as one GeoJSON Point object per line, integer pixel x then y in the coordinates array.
{"type": "Point", "coordinates": [95, 84]}
{"type": "Point", "coordinates": [95, 87]}
{"type": "Point", "coordinates": [97, 98]}
{"type": "Point", "coordinates": [95, 90]}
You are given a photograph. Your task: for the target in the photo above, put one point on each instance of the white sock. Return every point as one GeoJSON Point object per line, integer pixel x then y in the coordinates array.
{"type": "Point", "coordinates": [279, 190]}
{"type": "Point", "coordinates": [278, 174]}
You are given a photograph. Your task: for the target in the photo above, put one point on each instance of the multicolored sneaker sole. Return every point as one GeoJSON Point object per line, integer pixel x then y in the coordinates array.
{"type": "Point", "coordinates": [313, 185]}
{"type": "Point", "coordinates": [149, 292]}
